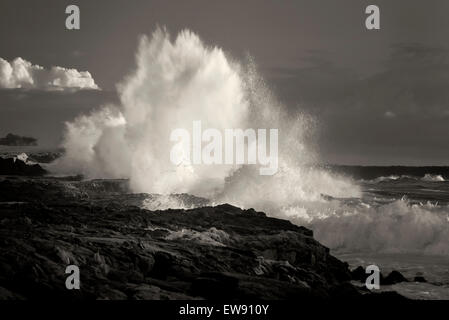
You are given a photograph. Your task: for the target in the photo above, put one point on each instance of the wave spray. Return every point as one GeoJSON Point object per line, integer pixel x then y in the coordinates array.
{"type": "Point", "coordinates": [177, 82]}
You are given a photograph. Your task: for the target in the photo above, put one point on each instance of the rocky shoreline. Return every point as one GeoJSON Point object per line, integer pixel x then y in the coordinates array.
{"type": "Point", "coordinates": [126, 252]}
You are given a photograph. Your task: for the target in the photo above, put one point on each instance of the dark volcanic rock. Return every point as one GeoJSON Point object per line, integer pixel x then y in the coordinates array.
{"type": "Point", "coordinates": [393, 278]}
{"type": "Point", "coordinates": [126, 252]}
{"type": "Point", "coordinates": [14, 166]}
{"type": "Point", "coordinates": [419, 279]}
{"type": "Point", "coordinates": [359, 274]}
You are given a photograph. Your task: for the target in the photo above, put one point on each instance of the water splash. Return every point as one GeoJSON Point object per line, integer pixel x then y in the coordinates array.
{"type": "Point", "coordinates": [175, 83]}
{"type": "Point", "coordinates": [181, 81]}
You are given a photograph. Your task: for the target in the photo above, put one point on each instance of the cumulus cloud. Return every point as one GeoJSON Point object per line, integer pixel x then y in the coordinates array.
{"type": "Point", "coordinates": [21, 73]}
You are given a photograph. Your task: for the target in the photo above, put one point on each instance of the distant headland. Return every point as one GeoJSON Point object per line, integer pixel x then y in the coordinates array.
{"type": "Point", "coordinates": [16, 140]}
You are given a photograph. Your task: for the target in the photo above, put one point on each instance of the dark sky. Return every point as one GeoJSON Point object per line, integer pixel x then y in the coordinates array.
{"type": "Point", "coordinates": [379, 97]}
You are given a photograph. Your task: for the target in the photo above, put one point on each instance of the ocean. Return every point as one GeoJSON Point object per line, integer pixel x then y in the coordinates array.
{"type": "Point", "coordinates": [394, 217]}
{"type": "Point", "coordinates": [400, 222]}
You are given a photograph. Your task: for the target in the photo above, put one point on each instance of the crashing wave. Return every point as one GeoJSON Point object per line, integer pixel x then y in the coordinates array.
{"type": "Point", "coordinates": [396, 227]}
{"type": "Point", "coordinates": [180, 81]}
{"type": "Point", "coordinates": [177, 82]}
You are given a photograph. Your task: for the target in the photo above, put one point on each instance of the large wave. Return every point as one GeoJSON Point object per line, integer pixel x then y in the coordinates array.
{"type": "Point", "coordinates": [175, 83]}
{"type": "Point", "coordinates": [395, 227]}
{"type": "Point", "coordinates": [181, 81]}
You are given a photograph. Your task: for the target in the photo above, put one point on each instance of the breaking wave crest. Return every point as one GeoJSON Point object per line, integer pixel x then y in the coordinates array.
{"type": "Point", "coordinates": [433, 178]}
{"type": "Point", "coordinates": [427, 177]}
{"type": "Point", "coordinates": [396, 227]}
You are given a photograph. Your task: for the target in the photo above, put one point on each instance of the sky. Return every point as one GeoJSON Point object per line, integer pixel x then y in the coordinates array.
{"type": "Point", "coordinates": [378, 96]}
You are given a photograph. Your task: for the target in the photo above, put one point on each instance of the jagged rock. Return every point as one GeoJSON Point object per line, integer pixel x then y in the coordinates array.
{"type": "Point", "coordinates": [359, 274]}
{"type": "Point", "coordinates": [126, 252]}
{"type": "Point", "coordinates": [393, 278]}
{"type": "Point", "coordinates": [14, 166]}
{"type": "Point", "coordinates": [419, 279]}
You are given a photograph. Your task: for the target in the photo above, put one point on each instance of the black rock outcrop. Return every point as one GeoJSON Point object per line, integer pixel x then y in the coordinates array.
{"type": "Point", "coordinates": [393, 277]}
{"type": "Point", "coordinates": [14, 166]}
{"type": "Point", "coordinates": [359, 274]}
{"type": "Point", "coordinates": [127, 252]}
{"type": "Point", "coordinates": [419, 279]}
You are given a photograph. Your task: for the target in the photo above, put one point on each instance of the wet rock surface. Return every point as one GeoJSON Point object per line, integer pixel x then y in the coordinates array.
{"type": "Point", "coordinates": [127, 252]}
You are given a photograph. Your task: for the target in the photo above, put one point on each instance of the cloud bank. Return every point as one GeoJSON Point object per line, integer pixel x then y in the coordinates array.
{"type": "Point", "coordinates": [21, 73]}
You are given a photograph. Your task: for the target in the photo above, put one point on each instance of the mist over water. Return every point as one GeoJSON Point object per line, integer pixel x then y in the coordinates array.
{"type": "Point", "coordinates": [183, 80]}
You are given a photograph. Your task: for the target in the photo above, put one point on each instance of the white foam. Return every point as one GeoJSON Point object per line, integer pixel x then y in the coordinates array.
{"type": "Point", "coordinates": [433, 178]}
{"type": "Point", "coordinates": [396, 227]}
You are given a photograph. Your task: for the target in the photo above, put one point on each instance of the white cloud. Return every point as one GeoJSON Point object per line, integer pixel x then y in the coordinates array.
{"type": "Point", "coordinates": [21, 73]}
